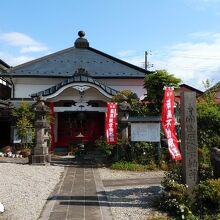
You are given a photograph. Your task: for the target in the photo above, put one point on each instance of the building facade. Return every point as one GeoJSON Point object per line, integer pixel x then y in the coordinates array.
{"type": "Point", "coordinates": [5, 95]}
{"type": "Point", "coordinates": [76, 83]}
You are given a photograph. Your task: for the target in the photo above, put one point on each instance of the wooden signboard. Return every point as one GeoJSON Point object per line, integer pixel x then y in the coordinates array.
{"type": "Point", "coordinates": [145, 132]}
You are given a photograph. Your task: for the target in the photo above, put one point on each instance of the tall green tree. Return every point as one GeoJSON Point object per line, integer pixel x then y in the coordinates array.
{"type": "Point", "coordinates": [154, 83]}
{"type": "Point", "coordinates": [24, 117]}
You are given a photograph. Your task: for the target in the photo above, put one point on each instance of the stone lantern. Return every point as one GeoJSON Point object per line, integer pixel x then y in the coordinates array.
{"type": "Point", "coordinates": [123, 112]}
{"type": "Point", "coordinates": [39, 154]}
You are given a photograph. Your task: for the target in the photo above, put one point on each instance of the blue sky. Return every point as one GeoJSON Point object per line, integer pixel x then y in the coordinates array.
{"type": "Point", "coordinates": [183, 35]}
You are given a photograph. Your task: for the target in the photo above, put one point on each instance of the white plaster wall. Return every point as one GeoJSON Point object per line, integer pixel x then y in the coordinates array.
{"type": "Point", "coordinates": [135, 85]}
{"type": "Point", "coordinates": [24, 87]}
{"type": "Point", "coordinates": [25, 90]}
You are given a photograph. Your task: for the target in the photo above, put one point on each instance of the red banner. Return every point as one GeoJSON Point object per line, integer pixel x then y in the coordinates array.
{"type": "Point", "coordinates": [168, 123]}
{"type": "Point", "coordinates": [52, 115]}
{"type": "Point", "coordinates": [111, 123]}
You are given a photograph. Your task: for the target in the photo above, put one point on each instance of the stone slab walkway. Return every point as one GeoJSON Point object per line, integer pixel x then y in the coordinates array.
{"type": "Point", "coordinates": [80, 195]}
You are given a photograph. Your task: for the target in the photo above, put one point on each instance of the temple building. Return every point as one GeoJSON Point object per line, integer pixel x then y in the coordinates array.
{"type": "Point", "coordinates": [76, 83]}
{"type": "Point", "coordinates": [5, 95]}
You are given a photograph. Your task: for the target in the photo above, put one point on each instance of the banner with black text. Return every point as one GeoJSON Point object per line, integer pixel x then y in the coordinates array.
{"type": "Point", "coordinates": [111, 123]}
{"type": "Point", "coordinates": [168, 123]}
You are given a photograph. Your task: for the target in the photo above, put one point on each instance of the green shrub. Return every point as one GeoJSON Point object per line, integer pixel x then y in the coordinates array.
{"type": "Point", "coordinates": [208, 124]}
{"type": "Point", "coordinates": [205, 172]}
{"type": "Point", "coordinates": [202, 202]}
{"type": "Point", "coordinates": [144, 153]}
{"type": "Point", "coordinates": [175, 174]}
{"type": "Point", "coordinates": [175, 197]}
{"type": "Point", "coordinates": [204, 155]}
{"type": "Point", "coordinates": [207, 196]}
{"type": "Point", "coordinates": [104, 147]}
{"type": "Point", "coordinates": [123, 165]}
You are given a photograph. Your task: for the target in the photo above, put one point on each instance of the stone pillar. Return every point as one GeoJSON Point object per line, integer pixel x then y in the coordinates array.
{"type": "Point", "coordinates": [124, 132]}
{"type": "Point", "coordinates": [39, 154]}
{"type": "Point", "coordinates": [189, 141]}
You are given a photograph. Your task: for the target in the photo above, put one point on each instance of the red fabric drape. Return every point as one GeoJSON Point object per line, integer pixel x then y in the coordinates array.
{"type": "Point", "coordinates": [111, 123]}
{"type": "Point", "coordinates": [168, 123]}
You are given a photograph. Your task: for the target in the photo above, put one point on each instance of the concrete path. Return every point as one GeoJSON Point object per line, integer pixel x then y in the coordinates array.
{"type": "Point", "coordinates": [80, 195]}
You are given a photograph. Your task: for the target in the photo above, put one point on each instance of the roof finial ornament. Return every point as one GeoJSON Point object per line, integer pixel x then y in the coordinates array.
{"type": "Point", "coordinates": [81, 42]}
{"type": "Point", "coordinates": [81, 34]}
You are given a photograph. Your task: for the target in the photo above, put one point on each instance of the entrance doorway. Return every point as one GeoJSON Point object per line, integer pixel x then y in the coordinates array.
{"type": "Point", "coordinates": [76, 127]}
{"type": "Point", "coordinates": [5, 133]}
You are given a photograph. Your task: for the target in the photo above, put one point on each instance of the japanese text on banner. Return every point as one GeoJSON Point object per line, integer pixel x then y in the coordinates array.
{"type": "Point", "coordinates": [111, 123]}
{"type": "Point", "coordinates": [168, 123]}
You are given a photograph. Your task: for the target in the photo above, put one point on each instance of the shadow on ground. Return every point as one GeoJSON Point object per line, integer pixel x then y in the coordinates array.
{"type": "Point", "coordinates": [132, 197]}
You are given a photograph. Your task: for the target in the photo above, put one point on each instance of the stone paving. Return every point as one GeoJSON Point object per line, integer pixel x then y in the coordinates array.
{"type": "Point", "coordinates": [80, 195]}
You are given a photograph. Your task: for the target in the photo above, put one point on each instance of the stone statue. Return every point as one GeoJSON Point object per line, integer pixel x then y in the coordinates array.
{"type": "Point", "coordinates": [215, 161]}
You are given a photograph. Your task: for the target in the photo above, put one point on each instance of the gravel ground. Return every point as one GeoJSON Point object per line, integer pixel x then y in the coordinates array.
{"type": "Point", "coordinates": [131, 202]}
{"type": "Point", "coordinates": [109, 174]}
{"type": "Point", "coordinates": [24, 189]}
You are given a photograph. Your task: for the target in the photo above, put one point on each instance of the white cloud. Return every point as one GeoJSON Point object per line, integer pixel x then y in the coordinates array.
{"type": "Point", "coordinates": [193, 61]}
{"type": "Point", "coordinates": [14, 60]}
{"type": "Point", "coordinates": [18, 48]}
{"type": "Point", "coordinates": [126, 53]}
{"type": "Point", "coordinates": [23, 41]}
{"type": "Point", "coordinates": [206, 36]}
{"type": "Point", "coordinates": [33, 49]}
{"type": "Point", "coordinates": [132, 56]}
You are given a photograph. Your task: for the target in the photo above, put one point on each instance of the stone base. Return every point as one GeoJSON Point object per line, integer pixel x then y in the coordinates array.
{"type": "Point", "coordinates": [39, 159]}
{"type": "Point", "coordinates": [40, 150]}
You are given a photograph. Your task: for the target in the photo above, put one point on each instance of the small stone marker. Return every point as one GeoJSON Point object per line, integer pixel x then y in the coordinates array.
{"type": "Point", "coordinates": [189, 143]}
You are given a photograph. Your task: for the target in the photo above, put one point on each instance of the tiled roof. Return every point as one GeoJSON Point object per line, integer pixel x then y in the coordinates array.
{"type": "Point", "coordinates": [66, 62]}
{"type": "Point", "coordinates": [75, 79]}
{"type": "Point", "coordinates": [4, 64]}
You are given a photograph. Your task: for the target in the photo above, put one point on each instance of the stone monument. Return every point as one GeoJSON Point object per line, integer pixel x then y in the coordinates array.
{"type": "Point", "coordinates": [189, 143]}
{"type": "Point", "coordinates": [39, 153]}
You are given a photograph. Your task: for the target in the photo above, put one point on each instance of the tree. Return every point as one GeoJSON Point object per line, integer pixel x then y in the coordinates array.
{"type": "Point", "coordinates": [24, 117]}
{"type": "Point", "coordinates": [209, 118]}
{"type": "Point", "coordinates": [137, 107]}
{"type": "Point", "coordinates": [154, 84]}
